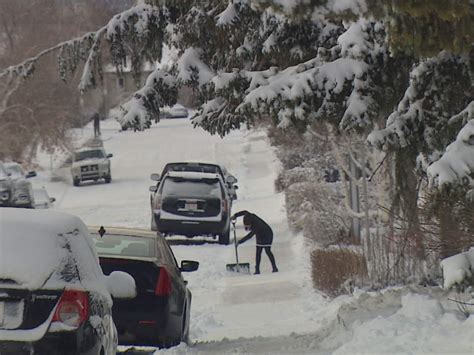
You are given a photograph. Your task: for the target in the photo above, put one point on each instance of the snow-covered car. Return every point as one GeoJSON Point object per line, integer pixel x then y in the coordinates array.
{"type": "Point", "coordinates": [54, 298]}
{"type": "Point", "coordinates": [6, 187]}
{"type": "Point", "coordinates": [91, 163]}
{"type": "Point", "coordinates": [191, 204]}
{"type": "Point", "coordinates": [23, 189]}
{"type": "Point", "coordinates": [177, 111]}
{"type": "Point", "coordinates": [203, 167]}
{"type": "Point", "coordinates": [160, 314]}
{"type": "Point", "coordinates": [42, 198]}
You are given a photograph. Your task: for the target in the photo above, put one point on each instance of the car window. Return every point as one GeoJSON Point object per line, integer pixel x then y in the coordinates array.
{"type": "Point", "coordinates": [89, 154]}
{"type": "Point", "coordinates": [15, 171]}
{"type": "Point", "coordinates": [177, 186]}
{"type": "Point", "coordinates": [3, 173]}
{"type": "Point", "coordinates": [124, 245]}
{"type": "Point", "coordinates": [167, 253]}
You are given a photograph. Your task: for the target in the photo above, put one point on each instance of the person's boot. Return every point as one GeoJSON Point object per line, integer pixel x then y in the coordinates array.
{"type": "Point", "coordinates": [257, 271]}
{"type": "Point", "coordinates": [275, 269]}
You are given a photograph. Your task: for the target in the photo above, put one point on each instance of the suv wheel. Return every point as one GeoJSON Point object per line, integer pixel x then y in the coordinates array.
{"type": "Point", "coordinates": [108, 179]}
{"type": "Point", "coordinates": [224, 238]}
{"type": "Point", "coordinates": [76, 182]}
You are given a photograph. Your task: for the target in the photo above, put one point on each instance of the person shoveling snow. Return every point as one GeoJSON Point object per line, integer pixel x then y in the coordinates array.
{"type": "Point", "coordinates": [262, 232]}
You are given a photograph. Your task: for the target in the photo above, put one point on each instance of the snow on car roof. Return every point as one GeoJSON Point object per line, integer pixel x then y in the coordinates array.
{"type": "Point", "coordinates": [37, 246]}
{"type": "Point", "coordinates": [193, 175]}
{"type": "Point", "coordinates": [86, 149]}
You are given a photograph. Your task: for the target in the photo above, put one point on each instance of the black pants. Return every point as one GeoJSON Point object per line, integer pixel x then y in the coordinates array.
{"type": "Point", "coordinates": [258, 257]}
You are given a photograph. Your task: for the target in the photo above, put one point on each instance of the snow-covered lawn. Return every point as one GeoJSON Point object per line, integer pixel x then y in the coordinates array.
{"type": "Point", "coordinates": [267, 313]}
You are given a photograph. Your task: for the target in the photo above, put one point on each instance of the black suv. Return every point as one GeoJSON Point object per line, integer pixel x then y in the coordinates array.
{"type": "Point", "coordinates": [191, 204]}
{"type": "Point", "coordinates": [6, 187]}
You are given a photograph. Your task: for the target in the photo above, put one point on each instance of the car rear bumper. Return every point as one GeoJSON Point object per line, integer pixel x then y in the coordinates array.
{"type": "Point", "coordinates": [147, 328]}
{"type": "Point", "coordinates": [190, 228]}
{"type": "Point", "coordinates": [53, 344]}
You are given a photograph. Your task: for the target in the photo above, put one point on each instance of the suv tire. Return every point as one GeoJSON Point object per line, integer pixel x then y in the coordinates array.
{"type": "Point", "coordinates": [108, 179]}
{"type": "Point", "coordinates": [224, 238]}
{"type": "Point", "coordinates": [76, 182]}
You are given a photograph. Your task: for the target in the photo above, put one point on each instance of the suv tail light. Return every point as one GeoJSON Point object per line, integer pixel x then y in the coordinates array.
{"type": "Point", "coordinates": [72, 308]}
{"type": "Point", "coordinates": [163, 285]}
{"type": "Point", "coordinates": [224, 206]}
{"type": "Point", "coordinates": [157, 206]}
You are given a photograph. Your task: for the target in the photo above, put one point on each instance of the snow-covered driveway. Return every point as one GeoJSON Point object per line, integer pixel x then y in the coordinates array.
{"type": "Point", "coordinates": [271, 312]}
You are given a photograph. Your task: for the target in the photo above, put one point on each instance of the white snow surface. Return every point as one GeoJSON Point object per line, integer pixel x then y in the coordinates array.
{"type": "Point", "coordinates": [271, 313]}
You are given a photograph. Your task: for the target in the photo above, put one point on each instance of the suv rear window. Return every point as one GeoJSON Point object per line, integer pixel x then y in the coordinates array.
{"type": "Point", "coordinates": [176, 186]}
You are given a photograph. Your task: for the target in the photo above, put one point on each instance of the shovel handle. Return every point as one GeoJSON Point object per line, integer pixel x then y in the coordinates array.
{"type": "Point", "coordinates": [235, 243]}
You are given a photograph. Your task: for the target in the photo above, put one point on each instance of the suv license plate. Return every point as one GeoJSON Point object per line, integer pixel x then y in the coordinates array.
{"type": "Point", "coordinates": [191, 206]}
{"type": "Point", "coordinates": [2, 308]}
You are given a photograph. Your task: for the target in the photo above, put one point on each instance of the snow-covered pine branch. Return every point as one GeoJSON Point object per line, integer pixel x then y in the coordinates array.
{"type": "Point", "coordinates": [422, 115]}
{"type": "Point", "coordinates": [141, 28]}
{"type": "Point", "coordinates": [456, 166]}
{"type": "Point", "coordinates": [333, 85]}
{"type": "Point", "coordinates": [160, 89]}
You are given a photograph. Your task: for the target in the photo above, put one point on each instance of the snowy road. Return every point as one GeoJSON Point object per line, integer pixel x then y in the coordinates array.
{"type": "Point", "coordinates": [269, 313]}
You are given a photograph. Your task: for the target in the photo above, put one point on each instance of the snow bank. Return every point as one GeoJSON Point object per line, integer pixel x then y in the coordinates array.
{"type": "Point", "coordinates": [457, 268]}
{"type": "Point", "coordinates": [420, 326]}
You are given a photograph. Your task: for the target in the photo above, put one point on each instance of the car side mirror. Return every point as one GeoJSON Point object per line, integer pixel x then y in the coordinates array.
{"type": "Point", "coordinates": [52, 199]}
{"type": "Point", "coordinates": [189, 265]}
{"type": "Point", "coordinates": [121, 285]}
{"type": "Point", "coordinates": [236, 187]}
{"type": "Point", "coordinates": [110, 155]}
{"type": "Point", "coordinates": [153, 188]}
{"type": "Point", "coordinates": [31, 174]}
{"type": "Point", "coordinates": [155, 177]}
{"type": "Point", "coordinates": [231, 179]}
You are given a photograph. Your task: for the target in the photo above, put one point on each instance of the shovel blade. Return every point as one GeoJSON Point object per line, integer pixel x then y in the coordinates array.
{"type": "Point", "coordinates": [243, 268]}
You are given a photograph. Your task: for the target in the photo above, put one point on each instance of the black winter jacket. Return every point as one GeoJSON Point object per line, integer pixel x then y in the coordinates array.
{"type": "Point", "coordinates": [258, 227]}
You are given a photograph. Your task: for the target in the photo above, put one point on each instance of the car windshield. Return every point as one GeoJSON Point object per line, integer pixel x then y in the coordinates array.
{"type": "Point", "coordinates": [89, 154]}
{"type": "Point", "coordinates": [16, 172]}
{"type": "Point", "coordinates": [124, 245]}
{"type": "Point", "coordinates": [3, 173]}
{"type": "Point", "coordinates": [177, 186]}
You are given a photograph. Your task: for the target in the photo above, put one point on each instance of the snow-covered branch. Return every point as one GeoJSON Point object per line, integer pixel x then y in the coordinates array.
{"type": "Point", "coordinates": [456, 166]}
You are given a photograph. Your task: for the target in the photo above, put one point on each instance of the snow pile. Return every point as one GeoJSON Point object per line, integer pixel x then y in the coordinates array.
{"type": "Point", "coordinates": [457, 268]}
{"type": "Point", "coordinates": [457, 163]}
{"type": "Point", "coordinates": [420, 326]}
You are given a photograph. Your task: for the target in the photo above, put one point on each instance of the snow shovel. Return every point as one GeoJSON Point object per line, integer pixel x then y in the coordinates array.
{"type": "Point", "coordinates": [243, 268]}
